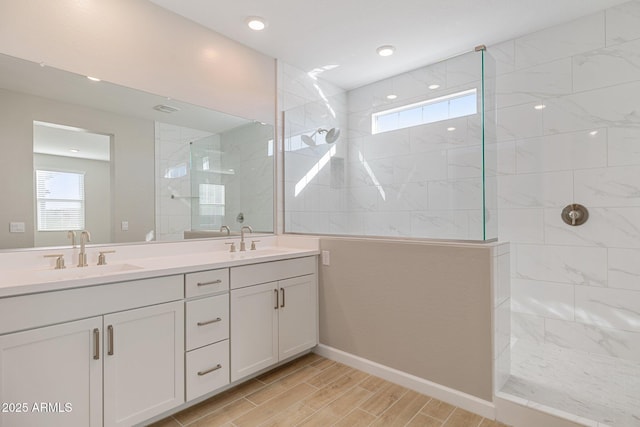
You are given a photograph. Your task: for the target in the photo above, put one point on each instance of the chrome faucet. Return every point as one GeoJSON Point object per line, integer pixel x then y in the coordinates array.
{"type": "Point", "coordinates": [243, 247]}
{"type": "Point", "coordinates": [85, 236]}
{"type": "Point", "coordinates": [224, 227]}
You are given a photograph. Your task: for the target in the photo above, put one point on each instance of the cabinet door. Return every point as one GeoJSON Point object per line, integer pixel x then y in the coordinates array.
{"type": "Point", "coordinates": [54, 374]}
{"type": "Point", "coordinates": [298, 316]}
{"type": "Point", "coordinates": [254, 329]}
{"type": "Point", "coordinates": [143, 363]}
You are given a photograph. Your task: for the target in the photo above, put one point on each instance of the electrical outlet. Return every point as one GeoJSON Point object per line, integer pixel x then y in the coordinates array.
{"type": "Point", "coordinates": [124, 226]}
{"type": "Point", "coordinates": [16, 227]}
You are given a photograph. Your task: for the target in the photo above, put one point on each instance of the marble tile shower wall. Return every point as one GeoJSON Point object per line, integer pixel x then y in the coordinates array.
{"type": "Point", "coordinates": [248, 150]}
{"type": "Point", "coordinates": [424, 181]}
{"type": "Point", "coordinates": [310, 103]}
{"type": "Point", "coordinates": [421, 181]}
{"type": "Point", "coordinates": [173, 215]}
{"type": "Point", "coordinates": [576, 287]}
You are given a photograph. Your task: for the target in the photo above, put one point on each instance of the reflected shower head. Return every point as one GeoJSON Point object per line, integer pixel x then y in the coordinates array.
{"type": "Point", "coordinates": [309, 139]}
{"type": "Point", "coordinates": [331, 136]}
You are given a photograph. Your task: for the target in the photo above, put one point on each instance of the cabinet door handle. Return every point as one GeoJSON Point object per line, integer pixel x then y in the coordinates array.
{"type": "Point", "coordinates": [208, 371]}
{"type": "Point", "coordinates": [208, 322]}
{"type": "Point", "coordinates": [282, 305]}
{"type": "Point", "coordinates": [110, 333]}
{"type": "Point", "coordinates": [276, 291]}
{"type": "Point", "coordinates": [96, 344]}
{"type": "Point", "coordinates": [213, 282]}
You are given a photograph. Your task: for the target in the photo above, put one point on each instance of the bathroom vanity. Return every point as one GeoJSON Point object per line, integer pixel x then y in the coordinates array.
{"type": "Point", "coordinates": [124, 346]}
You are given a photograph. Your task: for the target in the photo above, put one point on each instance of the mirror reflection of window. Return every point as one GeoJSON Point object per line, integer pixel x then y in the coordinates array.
{"type": "Point", "coordinates": [59, 200]}
{"type": "Point", "coordinates": [72, 183]}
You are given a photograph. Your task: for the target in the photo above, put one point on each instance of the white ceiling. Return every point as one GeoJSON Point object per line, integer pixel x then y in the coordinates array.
{"type": "Point", "coordinates": [59, 140]}
{"type": "Point", "coordinates": [315, 33]}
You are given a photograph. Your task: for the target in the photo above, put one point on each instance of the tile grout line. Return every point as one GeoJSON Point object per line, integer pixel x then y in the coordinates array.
{"type": "Point", "coordinates": [394, 403]}
{"type": "Point", "coordinates": [222, 407]}
{"type": "Point", "coordinates": [419, 411]}
{"type": "Point", "coordinates": [288, 389]}
{"type": "Point", "coordinates": [330, 402]}
{"type": "Point", "coordinates": [449, 416]}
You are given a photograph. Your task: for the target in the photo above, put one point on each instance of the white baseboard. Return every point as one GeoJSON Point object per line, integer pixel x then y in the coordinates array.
{"type": "Point", "coordinates": [446, 394]}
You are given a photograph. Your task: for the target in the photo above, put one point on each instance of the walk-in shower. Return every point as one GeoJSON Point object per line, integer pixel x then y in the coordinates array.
{"type": "Point", "coordinates": [414, 160]}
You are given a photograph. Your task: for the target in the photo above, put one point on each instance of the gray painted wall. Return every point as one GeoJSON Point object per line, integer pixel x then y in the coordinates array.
{"type": "Point", "coordinates": [421, 308]}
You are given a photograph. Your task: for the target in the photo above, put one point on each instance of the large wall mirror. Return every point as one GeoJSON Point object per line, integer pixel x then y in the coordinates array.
{"type": "Point", "coordinates": [126, 165]}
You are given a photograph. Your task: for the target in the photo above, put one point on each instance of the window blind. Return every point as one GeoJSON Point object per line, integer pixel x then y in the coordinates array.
{"type": "Point", "coordinates": [59, 200]}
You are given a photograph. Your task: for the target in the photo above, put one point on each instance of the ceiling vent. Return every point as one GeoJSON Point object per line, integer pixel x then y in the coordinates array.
{"type": "Point", "coordinates": [166, 108]}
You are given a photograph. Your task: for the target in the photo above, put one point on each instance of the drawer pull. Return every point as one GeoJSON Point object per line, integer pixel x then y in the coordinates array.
{"type": "Point", "coordinates": [208, 322]}
{"type": "Point", "coordinates": [213, 282]}
{"type": "Point", "coordinates": [96, 344]}
{"type": "Point", "coordinates": [208, 371]}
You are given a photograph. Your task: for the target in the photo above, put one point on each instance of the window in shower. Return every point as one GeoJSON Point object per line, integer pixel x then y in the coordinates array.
{"type": "Point", "coordinates": [211, 198]}
{"type": "Point", "coordinates": [447, 107]}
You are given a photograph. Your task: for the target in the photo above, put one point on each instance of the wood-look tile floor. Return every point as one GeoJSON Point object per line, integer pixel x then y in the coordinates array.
{"type": "Point", "coordinates": [315, 391]}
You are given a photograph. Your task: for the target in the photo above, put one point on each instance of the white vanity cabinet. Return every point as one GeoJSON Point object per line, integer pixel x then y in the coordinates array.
{"type": "Point", "coordinates": [119, 353]}
{"type": "Point", "coordinates": [207, 331]}
{"type": "Point", "coordinates": [143, 363]}
{"type": "Point", "coordinates": [273, 313]}
{"type": "Point", "coordinates": [59, 364]}
{"type": "Point", "coordinates": [136, 355]}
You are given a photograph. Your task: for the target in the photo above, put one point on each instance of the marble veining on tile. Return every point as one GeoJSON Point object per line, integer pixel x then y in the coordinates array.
{"type": "Point", "coordinates": [596, 387]}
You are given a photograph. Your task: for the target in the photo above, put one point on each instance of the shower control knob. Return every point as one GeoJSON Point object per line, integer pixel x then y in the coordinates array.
{"type": "Point", "coordinates": [575, 214]}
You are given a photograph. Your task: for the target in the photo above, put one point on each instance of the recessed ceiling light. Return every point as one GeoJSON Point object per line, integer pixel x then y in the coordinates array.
{"type": "Point", "coordinates": [386, 50]}
{"type": "Point", "coordinates": [451, 129]}
{"type": "Point", "coordinates": [593, 133]}
{"type": "Point", "coordinates": [540, 107]}
{"type": "Point", "coordinates": [392, 96]}
{"type": "Point", "coordinates": [93, 79]}
{"type": "Point", "coordinates": [256, 23]}
{"type": "Point", "coordinates": [74, 150]}
{"type": "Point", "coordinates": [434, 86]}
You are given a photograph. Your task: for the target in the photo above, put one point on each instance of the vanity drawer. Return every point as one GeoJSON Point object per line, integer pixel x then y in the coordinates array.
{"type": "Point", "coordinates": [206, 282]}
{"type": "Point", "coordinates": [207, 369]}
{"type": "Point", "coordinates": [207, 321]}
{"type": "Point", "coordinates": [253, 274]}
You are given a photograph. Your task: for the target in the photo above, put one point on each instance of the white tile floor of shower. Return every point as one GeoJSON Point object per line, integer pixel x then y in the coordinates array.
{"type": "Point", "coordinates": [596, 387]}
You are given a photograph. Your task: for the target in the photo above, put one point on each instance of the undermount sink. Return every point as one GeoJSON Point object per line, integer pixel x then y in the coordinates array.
{"type": "Point", "coordinates": [258, 253]}
{"type": "Point", "coordinates": [82, 272]}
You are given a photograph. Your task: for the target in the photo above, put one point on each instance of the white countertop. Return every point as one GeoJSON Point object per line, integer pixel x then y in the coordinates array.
{"type": "Point", "coordinates": [26, 280]}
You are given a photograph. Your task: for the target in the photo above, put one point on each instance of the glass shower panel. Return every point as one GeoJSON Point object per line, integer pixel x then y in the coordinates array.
{"type": "Point", "coordinates": [232, 179]}
{"type": "Point", "coordinates": [207, 187]}
{"type": "Point", "coordinates": [409, 165]}
{"type": "Point", "coordinates": [490, 148]}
